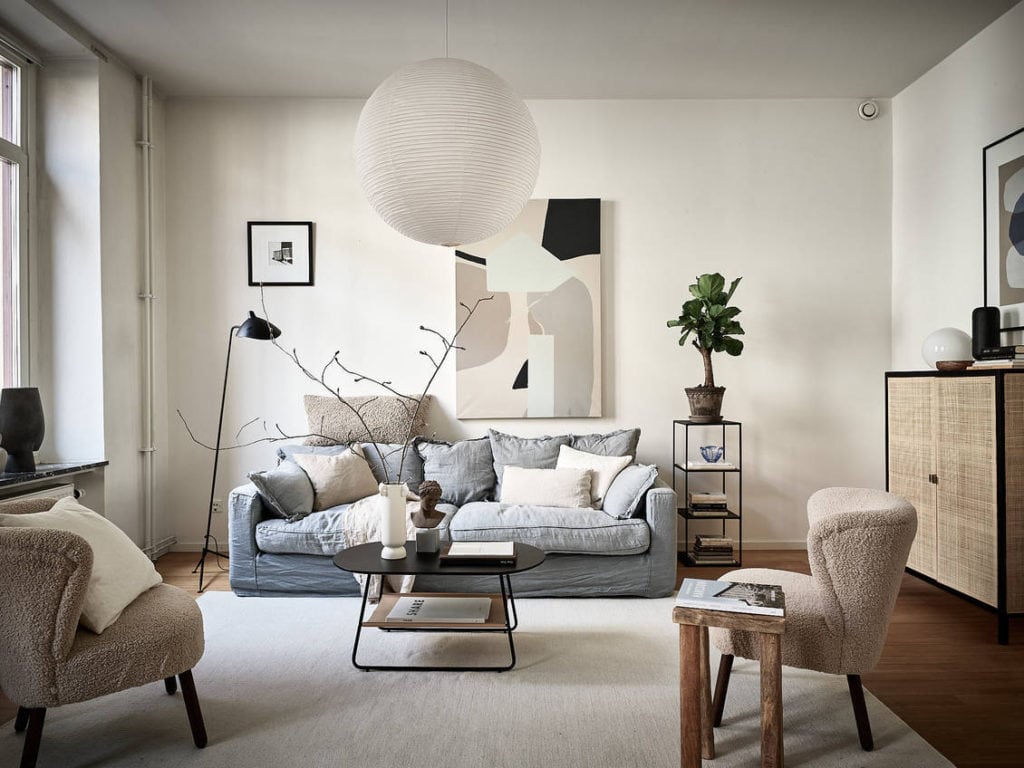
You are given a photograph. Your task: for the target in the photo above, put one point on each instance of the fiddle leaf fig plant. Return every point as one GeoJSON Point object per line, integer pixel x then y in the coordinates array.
{"type": "Point", "coordinates": [711, 322]}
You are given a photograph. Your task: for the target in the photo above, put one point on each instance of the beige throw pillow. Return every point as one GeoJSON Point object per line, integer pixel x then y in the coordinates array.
{"type": "Point", "coordinates": [339, 479]}
{"type": "Point", "coordinates": [604, 469]}
{"type": "Point", "coordinates": [546, 487]}
{"type": "Point", "coordinates": [120, 570]}
{"type": "Point", "coordinates": [387, 417]}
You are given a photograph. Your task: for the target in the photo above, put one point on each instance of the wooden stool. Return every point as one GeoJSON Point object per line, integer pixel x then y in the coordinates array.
{"type": "Point", "coordinates": [695, 716]}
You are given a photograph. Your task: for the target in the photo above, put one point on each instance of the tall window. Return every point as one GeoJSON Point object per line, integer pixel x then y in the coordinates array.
{"type": "Point", "coordinates": [13, 211]}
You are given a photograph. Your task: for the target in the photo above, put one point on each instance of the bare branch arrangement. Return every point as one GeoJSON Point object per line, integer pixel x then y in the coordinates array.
{"type": "Point", "coordinates": [333, 366]}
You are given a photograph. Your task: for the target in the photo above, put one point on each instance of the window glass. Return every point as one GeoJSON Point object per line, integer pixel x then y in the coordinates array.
{"type": "Point", "coordinates": [9, 249]}
{"type": "Point", "coordinates": [10, 119]}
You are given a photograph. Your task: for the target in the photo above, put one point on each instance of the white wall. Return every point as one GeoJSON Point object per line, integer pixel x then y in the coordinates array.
{"type": "Point", "coordinates": [940, 124]}
{"type": "Point", "coordinates": [793, 195]}
{"type": "Point", "coordinates": [67, 353]}
{"type": "Point", "coordinates": [121, 236]}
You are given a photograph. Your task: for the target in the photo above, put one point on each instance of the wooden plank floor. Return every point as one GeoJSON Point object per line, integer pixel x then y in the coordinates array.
{"type": "Point", "coordinates": [941, 671]}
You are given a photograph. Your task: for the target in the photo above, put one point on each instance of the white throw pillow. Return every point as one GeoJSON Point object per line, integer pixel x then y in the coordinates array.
{"type": "Point", "coordinates": [546, 487]}
{"type": "Point", "coordinates": [604, 469]}
{"type": "Point", "coordinates": [120, 570]}
{"type": "Point", "coordinates": [339, 479]}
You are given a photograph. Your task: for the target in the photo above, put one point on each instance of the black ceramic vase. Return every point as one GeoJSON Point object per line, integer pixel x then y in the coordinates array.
{"type": "Point", "coordinates": [21, 427]}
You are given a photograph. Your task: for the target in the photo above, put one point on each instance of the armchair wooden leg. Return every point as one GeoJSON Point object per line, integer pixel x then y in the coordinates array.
{"type": "Point", "coordinates": [30, 751]}
{"type": "Point", "coordinates": [195, 714]}
{"type": "Point", "coordinates": [860, 712]}
{"type": "Point", "coordinates": [20, 720]}
{"type": "Point", "coordinates": [171, 684]}
{"type": "Point", "coordinates": [721, 687]}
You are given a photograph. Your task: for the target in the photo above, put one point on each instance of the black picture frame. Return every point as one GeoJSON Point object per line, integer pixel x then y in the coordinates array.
{"type": "Point", "coordinates": [281, 253]}
{"type": "Point", "coordinates": [1008, 149]}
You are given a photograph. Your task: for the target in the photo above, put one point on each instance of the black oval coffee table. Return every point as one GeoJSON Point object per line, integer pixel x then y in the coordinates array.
{"type": "Point", "coordinates": [502, 618]}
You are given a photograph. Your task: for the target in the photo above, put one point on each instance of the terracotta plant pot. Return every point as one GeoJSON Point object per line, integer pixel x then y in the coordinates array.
{"type": "Point", "coordinates": [705, 404]}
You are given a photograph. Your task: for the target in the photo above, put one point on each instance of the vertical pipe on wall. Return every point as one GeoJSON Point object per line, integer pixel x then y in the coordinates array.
{"type": "Point", "coordinates": [146, 295]}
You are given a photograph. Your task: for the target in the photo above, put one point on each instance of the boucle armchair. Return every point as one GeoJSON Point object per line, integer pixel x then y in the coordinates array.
{"type": "Point", "coordinates": [836, 618]}
{"type": "Point", "coordinates": [46, 660]}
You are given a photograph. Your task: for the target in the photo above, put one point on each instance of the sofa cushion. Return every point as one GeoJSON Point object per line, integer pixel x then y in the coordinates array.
{"type": "Point", "coordinates": [622, 442]}
{"type": "Point", "coordinates": [552, 529]}
{"type": "Point", "coordinates": [388, 418]}
{"type": "Point", "coordinates": [628, 489]}
{"type": "Point", "coordinates": [530, 452]}
{"type": "Point", "coordinates": [463, 469]}
{"type": "Point", "coordinates": [321, 533]}
{"type": "Point", "coordinates": [291, 450]}
{"type": "Point", "coordinates": [412, 470]}
{"type": "Point", "coordinates": [339, 479]}
{"type": "Point", "coordinates": [286, 489]}
{"type": "Point", "coordinates": [603, 469]}
{"type": "Point", "coordinates": [567, 487]}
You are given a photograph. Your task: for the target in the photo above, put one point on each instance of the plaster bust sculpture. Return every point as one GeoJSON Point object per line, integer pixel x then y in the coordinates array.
{"type": "Point", "coordinates": [427, 515]}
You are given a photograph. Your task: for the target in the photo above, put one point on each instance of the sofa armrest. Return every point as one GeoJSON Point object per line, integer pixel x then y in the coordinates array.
{"type": "Point", "coordinates": [659, 509]}
{"type": "Point", "coordinates": [245, 511]}
{"type": "Point", "coordinates": [44, 575]}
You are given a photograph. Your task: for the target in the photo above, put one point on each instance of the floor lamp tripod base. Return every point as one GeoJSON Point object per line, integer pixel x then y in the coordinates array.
{"type": "Point", "coordinates": [201, 564]}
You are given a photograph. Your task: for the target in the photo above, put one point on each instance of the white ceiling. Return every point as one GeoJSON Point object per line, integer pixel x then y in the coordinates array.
{"type": "Point", "coordinates": [544, 48]}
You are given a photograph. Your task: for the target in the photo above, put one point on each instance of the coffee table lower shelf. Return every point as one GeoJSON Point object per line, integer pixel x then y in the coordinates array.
{"type": "Point", "coordinates": [495, 620]}
{"type": "Point", "coordinates": [501, 619]}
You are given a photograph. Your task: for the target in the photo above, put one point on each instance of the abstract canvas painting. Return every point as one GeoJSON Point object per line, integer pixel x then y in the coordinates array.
{"type": "Point", "coordinates": [535, 350]}
{"type": "Point", "coordinates": [1003, 173]}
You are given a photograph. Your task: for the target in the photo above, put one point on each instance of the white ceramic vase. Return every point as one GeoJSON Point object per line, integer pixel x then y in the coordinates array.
{"type": "Point", "coordinates": [392, 524]}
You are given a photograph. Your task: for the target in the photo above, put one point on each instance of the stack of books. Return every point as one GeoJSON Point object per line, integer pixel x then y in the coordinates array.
{"type": "Point", "coordinates": [707, 504]}
{"type": "Point", "coordinates": [713, 549]}
{"type": "Point", "coordinates": [1000, 358]}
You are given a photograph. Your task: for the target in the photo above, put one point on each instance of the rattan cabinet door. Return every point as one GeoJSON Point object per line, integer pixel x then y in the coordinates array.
{"type": "Point", "coordinates": [966, 503]}
{"type": "Point", "coordinates": [912, 460]}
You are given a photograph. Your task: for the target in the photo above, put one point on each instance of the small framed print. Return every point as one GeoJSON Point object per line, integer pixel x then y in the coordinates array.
{"type": "Point", "coordinates": [1002, 176]}
{"type": "Point", "coordinates": [280, 253]}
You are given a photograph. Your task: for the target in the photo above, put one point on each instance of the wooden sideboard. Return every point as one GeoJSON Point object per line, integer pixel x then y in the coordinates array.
{"type": "Point", "coordinates": [955, 450]}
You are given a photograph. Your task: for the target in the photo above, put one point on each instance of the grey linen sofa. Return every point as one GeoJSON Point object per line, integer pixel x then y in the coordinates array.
{"type": "Point", "coordinates": [590, 551]}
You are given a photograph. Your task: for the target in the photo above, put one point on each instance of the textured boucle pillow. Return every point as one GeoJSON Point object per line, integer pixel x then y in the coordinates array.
{"type": "Point", "coordinates": [120, 570]}
{"type": "Point", "coordinates": [387, 417]}
{"type": "Point", "coordinates": [566, 487]}
{"type": "Point", "coordinates": [339, 479]}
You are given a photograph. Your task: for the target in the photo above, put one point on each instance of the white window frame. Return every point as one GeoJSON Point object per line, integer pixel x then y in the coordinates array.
{"type": "Point", "coordinates": [23, 155]}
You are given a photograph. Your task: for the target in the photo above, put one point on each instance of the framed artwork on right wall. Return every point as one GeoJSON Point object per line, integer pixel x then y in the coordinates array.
{"type": "Point", "coordinates": [1003, 197]}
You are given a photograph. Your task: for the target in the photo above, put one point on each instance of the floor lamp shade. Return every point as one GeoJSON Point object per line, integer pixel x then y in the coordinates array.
{"type": "Point", "coordinates": [22, 427]}
{"type": "Point", "coordinates": [446, 152]}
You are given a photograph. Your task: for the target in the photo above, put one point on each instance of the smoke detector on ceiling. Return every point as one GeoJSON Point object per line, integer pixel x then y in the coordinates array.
{"type": "Point", "coordinates": [867, 110]}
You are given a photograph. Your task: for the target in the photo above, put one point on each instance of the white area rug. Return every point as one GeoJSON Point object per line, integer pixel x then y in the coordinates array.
{"type": "Point", "coordinates": [595, 685]}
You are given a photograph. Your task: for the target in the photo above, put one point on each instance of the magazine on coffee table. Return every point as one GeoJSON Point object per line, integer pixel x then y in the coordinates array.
{"type": "Point", "coordinates": [480, 553]}
{"type": "Point", "coordinates": [733, 597]}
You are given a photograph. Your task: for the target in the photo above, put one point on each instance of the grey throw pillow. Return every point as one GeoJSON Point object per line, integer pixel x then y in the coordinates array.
{"type": "Point", "coordinates": [286, 489]}
{"type": "Point", "coordinates": [529, 452]}
{"type": "Point", "coordinates": [289, 451]}
{"type": "Point", "coordinates": [412, 470]}
{"type": "Point", "coordinates": [622, 442]}
{"type": "Point", "coordinates": [464, 470]}
{"type": "Point", "coordinates": [627, 490]}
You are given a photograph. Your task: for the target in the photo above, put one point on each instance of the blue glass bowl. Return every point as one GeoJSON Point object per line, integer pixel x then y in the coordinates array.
{"type": "Point", "coordinates": [712, 453]}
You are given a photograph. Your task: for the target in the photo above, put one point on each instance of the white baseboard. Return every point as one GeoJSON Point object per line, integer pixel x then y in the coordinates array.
{"type": "Point", "coordinates": [187, 546]}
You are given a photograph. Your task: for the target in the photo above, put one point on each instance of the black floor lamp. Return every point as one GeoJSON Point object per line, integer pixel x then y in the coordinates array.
{"type": "Point", "coordinates": [253, 328]}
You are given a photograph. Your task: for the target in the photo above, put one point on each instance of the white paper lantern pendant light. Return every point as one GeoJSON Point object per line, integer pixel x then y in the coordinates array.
{"type": "Point", "coordinates": [446, 152]}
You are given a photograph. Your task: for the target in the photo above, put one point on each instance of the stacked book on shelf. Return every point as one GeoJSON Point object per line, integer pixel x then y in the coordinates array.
{"type": "Point", "coordinates": [1000, 358]}
{"type": "Point", "coordinates": [707, 504]}
{"type": "Point", "coordinates": [713, 549]}
{"type": "Point", "coordinates": [714, 466]}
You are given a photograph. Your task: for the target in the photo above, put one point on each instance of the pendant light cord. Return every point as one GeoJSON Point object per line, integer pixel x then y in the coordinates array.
{"type": "Point", "coordinates": [446, 29]}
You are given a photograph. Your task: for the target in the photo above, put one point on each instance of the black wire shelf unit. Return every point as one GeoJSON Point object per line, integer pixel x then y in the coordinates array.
{"type": "Point", "coordinates": [732, 487]}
